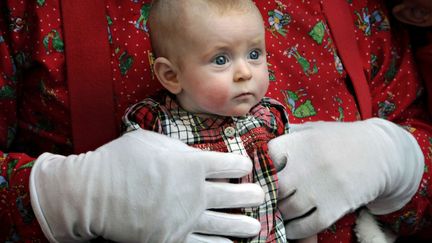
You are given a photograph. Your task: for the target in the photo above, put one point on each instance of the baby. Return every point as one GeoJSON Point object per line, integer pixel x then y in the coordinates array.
{"type": "Point", "coordinates": [211, 57]}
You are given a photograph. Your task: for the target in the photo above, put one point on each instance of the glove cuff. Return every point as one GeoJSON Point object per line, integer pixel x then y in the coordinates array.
{"type": "Point", "coordinates": [58, 193]}
{"type": "Point", "coordinates": [34, 186]}
{"type": "Point", "coordinates": [404, 178]}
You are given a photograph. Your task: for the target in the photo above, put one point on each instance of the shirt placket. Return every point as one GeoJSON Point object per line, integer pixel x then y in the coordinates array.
{"type": "Point", "coordinates": [232, 139]}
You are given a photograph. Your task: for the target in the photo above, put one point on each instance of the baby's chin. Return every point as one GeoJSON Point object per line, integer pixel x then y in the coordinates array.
{"type": "Point", "coordinates": [236, 110]}
{"type": "Point", "coordinates": [222, 114]}
{"type": "Point", "coordinates": [242, 110]}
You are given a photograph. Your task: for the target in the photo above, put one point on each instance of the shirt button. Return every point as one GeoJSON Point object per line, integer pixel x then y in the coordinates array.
{"type": "Point", "coordinates": [229, 131]}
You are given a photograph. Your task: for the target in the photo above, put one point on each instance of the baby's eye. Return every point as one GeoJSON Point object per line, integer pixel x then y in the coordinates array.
{"type": "Point", "coordinates": [255, 54]}
{"type": "Point", "coordinates": [220, 60]}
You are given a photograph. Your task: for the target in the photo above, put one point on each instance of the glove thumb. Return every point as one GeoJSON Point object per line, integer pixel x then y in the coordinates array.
{"type": "Point", "coordinates": [277, 152]}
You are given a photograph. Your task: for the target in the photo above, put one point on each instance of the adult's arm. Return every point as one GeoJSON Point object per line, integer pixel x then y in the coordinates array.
{"type": "Point", "coordinates": [20, 30]}
{"type": "Point", "coordinates": [414, 218]}
{"type": "Point", "coordinates": [398, 95]}
{"type": "Point", "coordinates": [395, 188]}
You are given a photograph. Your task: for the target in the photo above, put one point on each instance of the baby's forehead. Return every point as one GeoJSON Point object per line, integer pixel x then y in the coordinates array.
{"type": "Point", "coordinates": [214, 7]}
{"type": "Point", "coordinates": [180, 12]}
{"type": "Point", "coordinates": [171, 20]}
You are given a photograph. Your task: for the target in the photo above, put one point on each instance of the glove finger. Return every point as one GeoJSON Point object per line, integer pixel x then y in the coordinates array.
{"type": "Point", "coordinates": [313, 222]}
{"type": "Point", "coordinates": [295, 127]}
{"type": "Point", "coordinates": [295, 206]}
{"type": "Point", "coordinates": [198, 238]}
{"type": "Point", "coordinates": [285, 191]}
{"type": "Point", "coordinates": [227, 195]}
{"type": "Point", "coordinates": [281, 163]}
{"type": "Point", "coordinates": [215, 223]}
{"type": "Point", "coordinates": [223, 165]}
{"type": "Point", "coordinates": [159, 141]}
{"type": "Point", "coordinates": [303, 227]}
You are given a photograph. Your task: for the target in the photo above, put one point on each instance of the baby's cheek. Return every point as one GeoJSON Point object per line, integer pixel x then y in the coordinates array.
{"type": "Point", "coordinates": [263, 87]}
{"type": "Point", "coordinates": [216, 98]}
{"type": "Point", "coordinates": [217, 91]}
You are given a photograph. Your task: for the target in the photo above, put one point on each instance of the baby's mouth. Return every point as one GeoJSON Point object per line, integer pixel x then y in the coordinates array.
{"type": "Point", "coordinates": [245, 94]}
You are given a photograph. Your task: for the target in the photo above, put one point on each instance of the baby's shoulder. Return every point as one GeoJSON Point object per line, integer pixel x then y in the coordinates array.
{"type": "Point", "coordinates": [273, 114]}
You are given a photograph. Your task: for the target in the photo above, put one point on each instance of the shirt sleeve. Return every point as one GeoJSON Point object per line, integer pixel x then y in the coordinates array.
{"type": "Point", "coordinates": [16, 216]}
{"type": "Point", "coordinates": [143, 115]}
{"type": "Point", "coordinates": [279, 116]}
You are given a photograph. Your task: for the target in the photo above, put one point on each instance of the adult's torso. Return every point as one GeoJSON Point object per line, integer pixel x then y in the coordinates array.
{"type": "Point", "coordinates": [305, 71]}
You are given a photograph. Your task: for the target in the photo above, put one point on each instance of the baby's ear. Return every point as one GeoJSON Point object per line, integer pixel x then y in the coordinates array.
{"type": "Point", "coordinates": [166, 73]}
{"type": "Point", "coordinates": [413, 15]}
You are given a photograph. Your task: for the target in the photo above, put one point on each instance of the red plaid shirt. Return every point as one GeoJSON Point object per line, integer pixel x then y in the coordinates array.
{"type": "Point", "coordinates": [307, 76]}
{"type": "Point", "coordinates": [247, 135]}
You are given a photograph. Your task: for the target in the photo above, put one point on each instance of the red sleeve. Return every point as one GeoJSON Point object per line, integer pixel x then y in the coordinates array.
{"type": "Point", "coordinates": [8, 86]}
{"type": "Point", "coordinates": [16, 216]}
{"type": "Point", "coordinates": [423, 56]}
{"type": "Point", "coordinates": [416, 216]}
{"type": "Point", "coordinates": [18, 221]}
{"type": "Point", "coordinates": [398, 95]}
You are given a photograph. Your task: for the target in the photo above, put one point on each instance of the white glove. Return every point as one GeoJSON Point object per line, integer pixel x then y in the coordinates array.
{"type": "Point", "coordinates": [333, 168]}
{"type": "Point", "coordinates": [142, 187]}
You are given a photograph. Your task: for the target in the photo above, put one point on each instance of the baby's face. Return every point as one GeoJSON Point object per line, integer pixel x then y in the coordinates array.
{"type": "Point", "coordinates": [223, 65]}
{"type": "Point", "coordinates": [414, 12]}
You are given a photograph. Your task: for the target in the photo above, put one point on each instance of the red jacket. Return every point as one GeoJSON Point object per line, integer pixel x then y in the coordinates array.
{"type": "Point", "coordinates": [39, 68]}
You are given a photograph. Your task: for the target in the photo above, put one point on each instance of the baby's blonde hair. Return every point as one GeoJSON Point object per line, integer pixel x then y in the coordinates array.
{"type": "Point", "coordinates": [169, 19]}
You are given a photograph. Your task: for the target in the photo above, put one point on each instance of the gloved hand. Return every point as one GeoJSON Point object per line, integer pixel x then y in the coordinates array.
{"type": "Point", "coordinates": [333, 168]}
{"type": "Point", "coordinates": [142, 187]}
